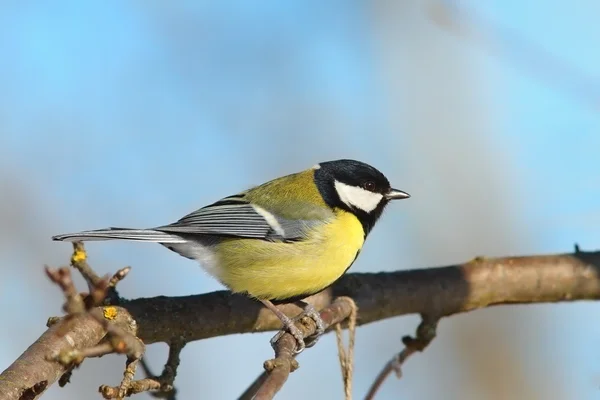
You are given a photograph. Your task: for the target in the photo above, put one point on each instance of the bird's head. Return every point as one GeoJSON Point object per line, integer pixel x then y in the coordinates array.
{"type": "Point", "coordinates": [356, 187]}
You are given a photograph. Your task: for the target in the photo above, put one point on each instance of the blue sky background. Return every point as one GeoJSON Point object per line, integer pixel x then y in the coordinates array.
{"type": "Point", "coordinates": [135, 113]}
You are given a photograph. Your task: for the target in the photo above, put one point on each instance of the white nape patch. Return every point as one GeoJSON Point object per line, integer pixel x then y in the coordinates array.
{"type": "Point", "coordinates": [271, 220]}
{"type": "Point", "coordinates": [316, 166]}
{"type": "Point", "coordinates": [357, 197]}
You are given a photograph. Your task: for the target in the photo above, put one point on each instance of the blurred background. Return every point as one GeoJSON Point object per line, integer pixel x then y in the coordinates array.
{"type": "Point", "coordinates": [135, 113]}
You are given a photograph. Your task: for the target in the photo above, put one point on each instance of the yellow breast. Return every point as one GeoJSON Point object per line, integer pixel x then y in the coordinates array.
{"type": "Point", "coordinates": [278, 271]}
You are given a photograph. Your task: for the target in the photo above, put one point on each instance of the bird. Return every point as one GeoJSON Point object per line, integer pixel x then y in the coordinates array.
{"type": "Point", "coordinates": [281, 241]}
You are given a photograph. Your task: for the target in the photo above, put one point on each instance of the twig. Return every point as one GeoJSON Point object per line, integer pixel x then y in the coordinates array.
{"type": "Point", "coordinates": [112, 295]}
{"type": "Point", "coordinates": [79, 262]}
{"type": "Point", "coordinates": [74, 301]}
{"type": "Point", "coordinates": [161, 386]}
{"type": "Point", "coordinates": [118, 340]}
{"type": "Point", "coordinates": [251, 390]}
{"type": "Point", "coordinates": [74, 357]}
{"type": "Point", "coordinates": [118, 277]}
{"type": "Point", "coordinates": [130, 369]}
{"type": "Point", "coordinates": [279, 368]}
{"type": "Point", "coordinates": [169, 373]}
{"type": "Point", "coordinates": [139, 386]}
{"type": "Point", "coordinates": [426, 332]}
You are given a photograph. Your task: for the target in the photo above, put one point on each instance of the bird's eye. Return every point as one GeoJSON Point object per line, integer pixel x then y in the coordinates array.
{"type": "Point", "coordinates": [369, 185]}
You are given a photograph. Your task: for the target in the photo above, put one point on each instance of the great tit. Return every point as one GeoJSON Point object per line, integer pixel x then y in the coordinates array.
{"type": "Point", "coordinates": [281, 241]}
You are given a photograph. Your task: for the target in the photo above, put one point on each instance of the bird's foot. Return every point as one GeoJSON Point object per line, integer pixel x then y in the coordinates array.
{"type": "Point", "coordinates": [312, 313]}
{"type": "Point", "coordinates": [289, 325]}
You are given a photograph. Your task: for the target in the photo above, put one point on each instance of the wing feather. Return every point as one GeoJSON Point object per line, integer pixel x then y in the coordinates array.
{"type": "Point", "coordinates": [234, 216]}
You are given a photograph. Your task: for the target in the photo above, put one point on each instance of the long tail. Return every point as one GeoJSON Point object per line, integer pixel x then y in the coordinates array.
{"type": "Point", "coordinates": [145, 235]}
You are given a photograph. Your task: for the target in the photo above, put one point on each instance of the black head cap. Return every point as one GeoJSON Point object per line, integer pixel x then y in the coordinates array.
{"type": "Point", "coordinates": [356, 187]}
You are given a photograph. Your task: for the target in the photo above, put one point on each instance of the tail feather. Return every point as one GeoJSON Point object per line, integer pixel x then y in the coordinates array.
{"type": "Point", "coordinates": [145, 235]}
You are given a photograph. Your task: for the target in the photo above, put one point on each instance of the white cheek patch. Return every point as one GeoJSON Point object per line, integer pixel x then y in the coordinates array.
{"type": "Point", "coordinates": [357, 197]}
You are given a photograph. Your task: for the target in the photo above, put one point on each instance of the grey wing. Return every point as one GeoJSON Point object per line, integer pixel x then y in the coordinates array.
{"type": "Point", "coordinates": [237, 218]}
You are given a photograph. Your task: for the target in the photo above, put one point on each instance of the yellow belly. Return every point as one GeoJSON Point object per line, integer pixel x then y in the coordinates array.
{"type": "Point", "coordinates": [279, 271]}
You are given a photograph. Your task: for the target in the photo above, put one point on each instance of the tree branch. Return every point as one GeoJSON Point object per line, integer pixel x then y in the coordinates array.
{"type": "Point", "coordinates": [435, 291]}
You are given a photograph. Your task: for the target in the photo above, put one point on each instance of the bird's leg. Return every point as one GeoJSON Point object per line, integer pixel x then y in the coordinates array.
{"type": "Point", "coordinates": [288, 325]}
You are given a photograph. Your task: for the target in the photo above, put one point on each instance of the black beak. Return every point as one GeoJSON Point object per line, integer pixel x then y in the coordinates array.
{"type": "Point", "coordinates": [395, 194]}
